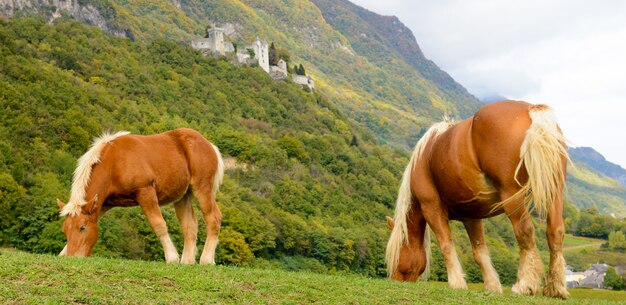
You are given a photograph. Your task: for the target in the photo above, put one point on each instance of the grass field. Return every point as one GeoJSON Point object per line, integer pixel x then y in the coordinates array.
{"type": "Point", "coordinates": [39, 279]}
{"type": "Point", "coordinates": [571, 242]}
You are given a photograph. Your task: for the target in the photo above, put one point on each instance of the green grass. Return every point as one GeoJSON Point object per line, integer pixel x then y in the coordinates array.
{"type": "Point", "coordinates": [575, 241]}
{"type": "Point", "coordinates": [39, 279]}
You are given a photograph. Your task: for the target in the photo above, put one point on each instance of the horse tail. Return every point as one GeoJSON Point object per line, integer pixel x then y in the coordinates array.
{"type": "Point", "coordinates": [399, 233]}
{"type": "Point", "coordinates": [219, 173]}
{"type": "Point", "coordinates": [542, 153]}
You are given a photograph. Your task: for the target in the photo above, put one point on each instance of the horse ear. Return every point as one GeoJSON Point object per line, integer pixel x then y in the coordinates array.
{"type": "Point", "coordinates": [90, 207]}
{"type": "Point", "coordinates": [390, 223]}
{"type": "Point", "coordinates": [60, 203]}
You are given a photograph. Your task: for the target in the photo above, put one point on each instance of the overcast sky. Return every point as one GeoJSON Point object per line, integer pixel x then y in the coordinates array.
{"type": "Point", "coordinates": [569, 54]}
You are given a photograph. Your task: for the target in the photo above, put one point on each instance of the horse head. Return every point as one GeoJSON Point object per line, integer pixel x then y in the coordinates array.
{"type": "Point", "coordinates": [80, 228]}
{"type": "Point", "coordinates": [405, 261]}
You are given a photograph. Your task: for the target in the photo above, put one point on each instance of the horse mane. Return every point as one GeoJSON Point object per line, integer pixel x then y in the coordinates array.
{"type": "Point", "coordinates": [219, 175]}
{"type": "Point", "coordinates": [400, 231]}
{"type": "Point", "coordinates": [82, 173]}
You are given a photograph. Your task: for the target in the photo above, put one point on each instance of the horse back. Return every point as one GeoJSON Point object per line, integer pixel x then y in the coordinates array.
{"type": "Point", "coordinates": [168, 162]}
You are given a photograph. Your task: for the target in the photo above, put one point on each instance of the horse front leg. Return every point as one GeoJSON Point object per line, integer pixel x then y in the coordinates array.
{"type": "Point", "coordinates": [555, 283]}
{"type": "Point", "coordinates": [147, 199]}
{"type": "Point", "coordinates": [437, 219]}
{"type": "Point", "coordinates": [476, 233]}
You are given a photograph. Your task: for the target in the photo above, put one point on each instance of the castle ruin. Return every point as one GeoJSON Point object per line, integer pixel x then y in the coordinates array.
{"type": "Point", "coordinates": [255, 53]}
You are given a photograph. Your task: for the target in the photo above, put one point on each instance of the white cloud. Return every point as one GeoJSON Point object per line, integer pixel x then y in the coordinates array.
{"type": "Point", "coordinates": [568, 54]}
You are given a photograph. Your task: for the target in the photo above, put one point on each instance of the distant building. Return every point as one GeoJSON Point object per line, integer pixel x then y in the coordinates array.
{"type": "Point", "coordinates": [213, 43]}
{"type": "Point", "coordinates": [279, 71]}
{"type": "Point", "coordinates": [261, 54]}
{"type": "Point", "coordinates": [303, 80]}
{"type": "Point", "coordinates": [255, 53]}
{"type": "Point", "coordinates": [572, 278]}
{"type": "Point", "coordinates": [594, 276]}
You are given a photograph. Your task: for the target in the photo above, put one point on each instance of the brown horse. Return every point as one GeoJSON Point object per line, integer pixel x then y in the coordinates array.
{"type": "Point", "coordinates": [122, 170]}
{"type": "Point", "coordinates": [499, 160]}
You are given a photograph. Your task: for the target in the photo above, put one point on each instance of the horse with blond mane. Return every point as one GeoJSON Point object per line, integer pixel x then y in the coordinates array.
{"type": "Point", "coordinates": [123, 170]}
{"type": "Point", "coordinates": [507, 158]}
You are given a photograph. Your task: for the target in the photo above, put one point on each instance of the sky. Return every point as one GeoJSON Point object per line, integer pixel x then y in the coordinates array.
{"type": "Point", "coordinates": [569, 54]}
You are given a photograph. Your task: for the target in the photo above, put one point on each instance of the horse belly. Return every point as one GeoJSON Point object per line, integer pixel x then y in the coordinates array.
{"type": "Point", "coordinates": [469, 197]}
{"type": "Point", "coordinates": [173, 183]}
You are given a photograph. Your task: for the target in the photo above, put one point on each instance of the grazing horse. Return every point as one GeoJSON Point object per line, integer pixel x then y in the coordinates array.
{"type": "Point", "coordinates": [507, 155]}
{"type": "Point", "coordinates": [123, 170]}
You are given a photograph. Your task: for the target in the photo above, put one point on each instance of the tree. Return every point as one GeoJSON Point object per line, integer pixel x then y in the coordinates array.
{"type": "Point", "coordinates": [233, 248]}
{"type": "Point", "coordinates": [617, 240]}
{"type": "Point", "coordinates": [301, 70]}
{"type": "Point", "coordinates": [10, 194]}
{"type": "Point", "coordinates": [354, 141]}
{"type": "Point", "coordinates": [282, 53]}
{"type": "Point", "coordinates": [272, 55]}
{"type": "Point", "coordinates": [613, 280]}
{"type": "Point", "coordinates": [294, 148]}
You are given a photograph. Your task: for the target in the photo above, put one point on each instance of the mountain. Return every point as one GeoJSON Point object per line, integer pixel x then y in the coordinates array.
{"type": "Point", "coordinates": [384, 39]}
{"type": "Point", "coordinates": [596, 161]}
{"type": "Point", "coordinates": [589, 187]}
{"type": "Point", "coordinates": [381, 81]}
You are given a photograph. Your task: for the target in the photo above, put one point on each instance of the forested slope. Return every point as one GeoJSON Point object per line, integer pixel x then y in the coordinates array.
{"type": "Point", "coordinates": [306, 183]}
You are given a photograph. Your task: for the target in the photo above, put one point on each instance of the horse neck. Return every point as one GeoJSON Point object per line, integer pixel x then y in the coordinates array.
{"type": "Point", "coordinates": [416, 225]}
{"type": "Point", "coordinates": [99, 185]}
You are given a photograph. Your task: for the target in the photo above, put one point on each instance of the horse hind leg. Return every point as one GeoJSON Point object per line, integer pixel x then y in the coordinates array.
{"type": "Point", "coordinates": [147, 199]}
{"type": "Point", "coordinates": [189, 226]}
{"type": "Point", "coordinates": [213, 220]}
{"type": "Point", "coordinates": [476, 232]}
{"type": "Point", "coordinates": [555, 283]}
{"type": "Point", "coordinates": [530, 271]}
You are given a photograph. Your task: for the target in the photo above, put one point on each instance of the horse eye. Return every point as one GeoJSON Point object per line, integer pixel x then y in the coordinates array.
{"type": "Point", "coordinates": [82, 229]}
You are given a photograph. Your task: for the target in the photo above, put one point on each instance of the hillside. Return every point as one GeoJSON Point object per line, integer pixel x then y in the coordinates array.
{"type": "Point", "coordinates": [597, 162]}
{"type": "Point", "coordinates": [384, 40]}
{"type": "Point", "coordinates": [592, 183]}
{"type": "Point", "coordinates": [308, 182]}
{"type": "Point", "coordinates": [370, 67]}
{"type": "Point", "coordinates": [384, 84]}
{"type": "Point", "coordinates": [37, 279]}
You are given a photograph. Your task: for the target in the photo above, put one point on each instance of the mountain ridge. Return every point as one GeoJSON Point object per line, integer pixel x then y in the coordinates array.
{"type": "Point", "coordinates": [597, 161]}
{"type": "Point", "coordinates": [391, 32]}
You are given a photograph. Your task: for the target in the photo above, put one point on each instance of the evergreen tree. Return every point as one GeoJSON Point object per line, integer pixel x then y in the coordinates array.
{"type": "Point", "coordinates": [354, 141]}
{"type": "Point", "coordinates": [272, 55]}
{"type": "Point", "coordinates": [301, 70]}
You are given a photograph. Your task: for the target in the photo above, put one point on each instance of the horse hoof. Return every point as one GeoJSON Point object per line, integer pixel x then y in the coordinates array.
{"type": "Point", "coordinates": [525, 289]}
{"type": "Point", "coordinates": [493, 288]}
{"type": "Point", "coordinates": [187, 261]}
{"type": "Point", "coordinates": [553, 291]}
{"type": "Point", "coordinates": [458, 285]}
